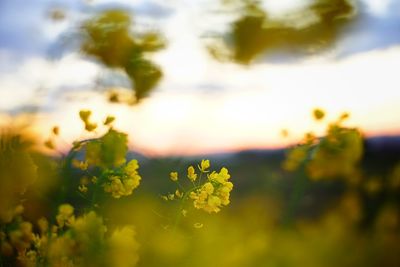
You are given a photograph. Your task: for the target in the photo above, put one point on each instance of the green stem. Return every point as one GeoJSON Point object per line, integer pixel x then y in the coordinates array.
{"type": "Point", "coordinates": [179, 215]}
{"type": "Point", "coordinates": [199, 180]}
{"type": "Point", "coordinates": [180, 186]}
{"type": "Point", "coordinates": [297, 193]}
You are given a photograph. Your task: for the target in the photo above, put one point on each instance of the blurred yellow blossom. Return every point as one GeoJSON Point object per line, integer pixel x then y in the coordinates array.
{"type": "Point", "coordinates": [80, 244]}
{"type": "Point", "coordinates": [65, 215]}
{"type": "Point", "coordinates": [191, 174]}
{"type": "Point", "coordinates": [49, 144]}
{"type": "Point", "coordinates": [178, 193]}
{"type": "Point", "coordinates": [204, 165]}
{"type": "Point", "coordinates": [173, 176]}
{"type": "Point", "coordinates": [90, 126]}
{"type": "Point", "coordinates": [82, 188]}
{"type": "Point", "coordinates": [123, 184]}
{"type": "Point", "coordinates": [85, 117]}
{"type": "Point", "coordinates": [109, 120]}
{"type": "Point", "coordinates": [294, 158]}
{"type": "Point", "coordinates": [337, 154]}
{"type": "Point", "coordinates": [43, 225]}
{"type": "Point", "coordinates": [22, 237]}
{"type": "Point", "coordinates": [198, 225]}
{"type": "Point", "coordinates": [108, 151]}
{"type": "Point", "coordinates": [82, 165]}
{"type": "Point", "coordinates": [319, 114]}
{"type": "Point", "coordinates": [123, 248]}
{"type": "Point", "coordinates": [56, 130]}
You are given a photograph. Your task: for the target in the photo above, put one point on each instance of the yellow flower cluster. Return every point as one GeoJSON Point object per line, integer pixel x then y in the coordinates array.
{"type": "Point", "coordinates": [213, 194]}
{"type": "Point", "coordinates": [77, 244]}
{"type": "Point", "coordinates": [207, 194]}
{"type": "Point", "coordinates": [124, 183]}
{"type": "Point", "coordinates": [21, 241]}
{"type": "Point", "coordinates": [122, 245]}
{"type": "Point", "coordinates": [22, 237]}
{"type": "Point", "coordinates": [192, 175]}
{"type": "Point", "coordinates": [336, 154]}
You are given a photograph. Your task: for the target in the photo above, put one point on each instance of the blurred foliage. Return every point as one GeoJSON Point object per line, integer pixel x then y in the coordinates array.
{"type": "Point", "coordinates": [17, 170]}
{"type": "Point", "coordinates": [306, 31]}
{"type": "Point", "coordinates": [334, 155]}
{"type": "Point", "coordinates": [107, 151]}
{"type": "Point", "coordinates": [108, 37]}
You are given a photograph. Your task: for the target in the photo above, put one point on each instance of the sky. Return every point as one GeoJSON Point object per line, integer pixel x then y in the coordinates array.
{"type": "Point", "coordinates": [201, 105]}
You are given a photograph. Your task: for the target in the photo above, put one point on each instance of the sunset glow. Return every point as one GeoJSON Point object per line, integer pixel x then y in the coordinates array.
{"type": "Point", "coordinates": [205, 106]}
{"type": "Point", "coordinates": [182, 123]}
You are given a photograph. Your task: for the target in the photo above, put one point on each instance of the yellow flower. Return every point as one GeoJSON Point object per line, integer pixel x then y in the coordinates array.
{"type": "Point", "coordinates": [123, 185]}
{"type": "Point", "coordinates": [319, 114]}
{"type": "Point", "coordinates": [49, 144]}
{"type": "Point", "coordinates": [122, 251]}
{"type": "Point", "coordinates": [204, 165]}
{"type": "Point", "coordinates": [191, 174]}
{"type": "Point", "coordinates": [178, 193]}
{"type": "Point", "coordinates": [184, 212]}
{"type": "Point", "coordinates": [22, 237]}
{"type": "Point", "coordinates": [208, 187]}
{"type": "Point", "coordinates": [90, 126]}
{"type": "Point", "coordinates": [66, 209]}
{"type": "Point", "coordinates": [65, 215]}
{"type": "Point", "coordinates": [82, 188]}
{"type": "Point", "coordinates": [213, 194]}
{"type": "Point", "coordinates": [84, 115]}
{"type": "Point", "coordinates": [220, 177]}
{"type": "Point", "coordinates": [173, 176]}
{"type": "Point", "coordinates": [83, 165]}
{"type": "Point", "coordinates": [43, 225]}
{"type": "Point", "coordinates": [131, 167]}
{"type": "Point", "coordinates": [56, 130]}
{"type": "Point", "coordinates": [198, 225]}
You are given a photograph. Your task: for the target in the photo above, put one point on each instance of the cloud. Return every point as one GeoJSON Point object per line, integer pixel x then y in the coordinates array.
{"type": "Point", "coordinates": [376, 29]}
{"type": "Point", "coordinates": [26, 29]}
{"type": "Point", "coordinates": [41, 81]}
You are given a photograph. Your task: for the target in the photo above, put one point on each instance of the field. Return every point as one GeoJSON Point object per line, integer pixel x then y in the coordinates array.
{"type": "Point", "coordinates": [112, 207]}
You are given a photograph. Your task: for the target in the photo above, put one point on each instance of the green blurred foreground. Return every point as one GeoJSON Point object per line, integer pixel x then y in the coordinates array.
{"type": "Point", "coordinates": [328, 201]}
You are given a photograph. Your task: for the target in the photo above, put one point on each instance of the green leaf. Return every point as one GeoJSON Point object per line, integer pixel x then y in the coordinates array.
{"type": "Point", "coordinates": [108, 151]}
